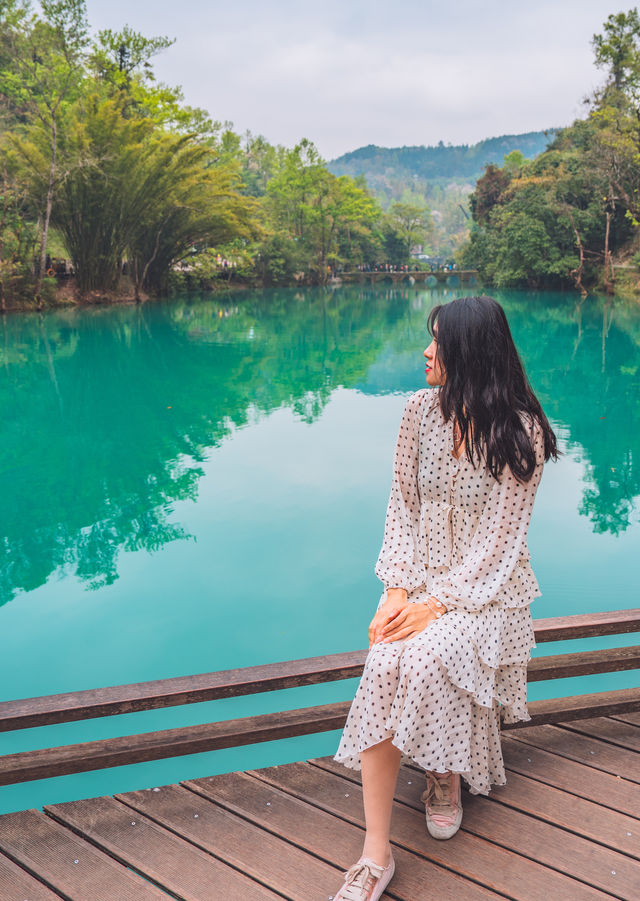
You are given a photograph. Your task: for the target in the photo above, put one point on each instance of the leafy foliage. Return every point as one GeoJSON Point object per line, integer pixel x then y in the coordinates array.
{"type": "Point", "coordinates": [133, 180]}
{"type": "Point", "coordinates": [559, 219]}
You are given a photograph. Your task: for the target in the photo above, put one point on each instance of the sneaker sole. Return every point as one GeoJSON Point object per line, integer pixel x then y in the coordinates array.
{"type": "Point", "coordinates": [444, 832]}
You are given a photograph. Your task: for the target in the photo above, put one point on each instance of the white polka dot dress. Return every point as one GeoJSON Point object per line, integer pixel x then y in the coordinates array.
{"type": "Point", "coordinates": [453, 532]}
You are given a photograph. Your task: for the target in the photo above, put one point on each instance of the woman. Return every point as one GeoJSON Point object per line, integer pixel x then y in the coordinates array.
{"type": "Point", "coordinates": [452, 635]}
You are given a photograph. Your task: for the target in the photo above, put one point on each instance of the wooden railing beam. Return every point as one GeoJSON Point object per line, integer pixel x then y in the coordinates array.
{"type": "Point", "coordinates": [124, 750]}
{"type": "Point", "coordinates": [116, 700]}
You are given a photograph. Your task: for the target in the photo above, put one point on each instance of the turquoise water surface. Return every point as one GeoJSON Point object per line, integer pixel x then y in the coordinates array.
{"type": "Point", "coordinates": [200, 484]}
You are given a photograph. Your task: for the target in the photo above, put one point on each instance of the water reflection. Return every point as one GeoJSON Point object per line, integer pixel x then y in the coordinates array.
{"type": "Point", "coordinates": [109, 413]}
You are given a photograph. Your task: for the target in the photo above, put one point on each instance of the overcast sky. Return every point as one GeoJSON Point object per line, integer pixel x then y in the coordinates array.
{"type": "Point", "coordinates": [345, 73]}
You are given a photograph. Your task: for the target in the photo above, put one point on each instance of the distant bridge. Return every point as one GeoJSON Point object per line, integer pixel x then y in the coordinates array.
{"type": "Point", "coordinates": [451, 277]}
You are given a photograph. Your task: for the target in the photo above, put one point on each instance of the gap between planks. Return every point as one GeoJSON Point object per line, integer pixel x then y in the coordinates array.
{"type": "Point", "coordinates": [580, 845]}
{"type": "Point", "coordinates": [503, 852]}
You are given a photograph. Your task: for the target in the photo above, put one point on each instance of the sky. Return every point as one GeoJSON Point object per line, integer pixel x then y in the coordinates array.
{"type": "Point", "coordinates": [346, 73]}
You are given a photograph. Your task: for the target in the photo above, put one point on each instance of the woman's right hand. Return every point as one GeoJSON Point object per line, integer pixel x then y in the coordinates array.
{"type": "Point", "coordinates": [397, 600]}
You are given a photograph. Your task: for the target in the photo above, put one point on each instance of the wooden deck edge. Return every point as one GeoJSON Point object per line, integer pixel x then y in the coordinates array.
{"type": "Point", "coordinates": [125, 750]}
{"type": "Point", "coordinates": [579, 707]}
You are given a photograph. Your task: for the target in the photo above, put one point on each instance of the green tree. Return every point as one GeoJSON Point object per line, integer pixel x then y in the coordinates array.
{"type": "Point", "coordinates": [563, 216]}
{"type": "Point", "coordinates": [44, 72]}
{"type": "Point", "coordinates": [618, 50]}
{"type": "Point", "coordinates": [321, 213]}
{"type": "Point", "coordinates": [412, 223]}
{"type": "Point", "coordinates": [18, 239]}
{"type": "Point", "coordinates": [131, 191]}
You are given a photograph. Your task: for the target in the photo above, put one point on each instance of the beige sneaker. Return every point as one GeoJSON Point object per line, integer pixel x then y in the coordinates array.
{"type": "Point", "coordinates": [443, 804]}
{"type": "Point", "coordinates": [366, 881]}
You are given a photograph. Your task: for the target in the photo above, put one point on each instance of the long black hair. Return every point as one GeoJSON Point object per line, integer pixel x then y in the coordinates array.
{"type": "Point", "coordinates": [486, 390]}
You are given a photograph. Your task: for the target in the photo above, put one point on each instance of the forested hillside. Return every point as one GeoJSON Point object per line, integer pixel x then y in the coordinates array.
{"type": "Point", "coordinates": [440, 178]}
{"type": "Point", "coordinates": [463, 161]}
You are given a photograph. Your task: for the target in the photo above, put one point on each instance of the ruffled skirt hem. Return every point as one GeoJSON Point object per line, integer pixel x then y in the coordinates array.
{"type": "Point", "coordinates": [440, 701]}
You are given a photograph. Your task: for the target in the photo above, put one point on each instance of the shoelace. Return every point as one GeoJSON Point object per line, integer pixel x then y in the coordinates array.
{"type": "Point", "coordinates": [437, 794]}
{"type": "Point", "coordinates": [360, 879]}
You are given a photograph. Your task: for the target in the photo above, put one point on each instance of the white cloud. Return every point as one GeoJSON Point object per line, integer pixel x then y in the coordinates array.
{"type": "Point", "coordinates": [350, 74]}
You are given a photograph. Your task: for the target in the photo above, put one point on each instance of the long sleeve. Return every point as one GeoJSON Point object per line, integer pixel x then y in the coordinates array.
{"type": "Point", "coordinates": [399, 564]}
{"type": "Point", "coordinates": [499, 542]}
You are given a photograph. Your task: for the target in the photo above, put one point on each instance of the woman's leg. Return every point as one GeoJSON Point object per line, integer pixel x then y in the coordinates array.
{"type": "Point", "coordinates": [380, 765]}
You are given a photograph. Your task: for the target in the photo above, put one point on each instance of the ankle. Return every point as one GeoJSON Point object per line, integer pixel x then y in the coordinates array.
{"type": "Point", "coordinates": [377, 851]}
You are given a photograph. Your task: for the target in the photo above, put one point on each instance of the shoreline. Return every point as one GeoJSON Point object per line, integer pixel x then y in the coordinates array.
{"type": "Point", "coordinates": [64, 300]}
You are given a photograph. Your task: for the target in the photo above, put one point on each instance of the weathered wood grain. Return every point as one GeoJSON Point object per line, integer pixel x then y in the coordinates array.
{"type": "Point", "coordinates": [587, 625]}
{"type": "Point", "coordinates": [263, 856]}
{"type": "Point", "coordinates": [67, 864]}
{"type": "Point", "coordinates": [597, 754]}
{"type": "Point", "coordinates": [633, 718]}
{"type": "Point", "coordinates": [156, 853]}
{"type": "Point", "coordinates": [627, 735]}
{"type": "Point", "coordinates": [496, 868]}
{"type": "Point", "coordinates": [128, 749]}
{"type": "Point", "coordinates": [329, 837]}
{"type": "Point", "coordinates": [113, 701]}
{"type": "Point", "coordinates": [559, 808]}
{"type": "Point", "coordinates": [584, 663]}
{"type": "Point", "coordinates": [47, 762]}
{"type": "Point", "coordinates": [17, 885]}
{"type": "Point", "coordinates": [576, 707]}
{"type": "Point", "coordinates": [572, 778]}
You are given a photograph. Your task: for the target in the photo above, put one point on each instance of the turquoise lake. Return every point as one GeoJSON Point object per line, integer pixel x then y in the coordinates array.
{"type": "Point", "coordinates": [200, 484]}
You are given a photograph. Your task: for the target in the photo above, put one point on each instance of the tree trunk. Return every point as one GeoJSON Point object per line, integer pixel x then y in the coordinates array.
{"type": "Point", "coordinates": [3, 301]}
{"type": "Point", "coordinates": [140, 281]}
{"type": "Point", "coordinates": [609, 279]}
{"type": "Point", "coordinates": [47, 216]}
{"type": "Point", "coordinates": [577, 273]}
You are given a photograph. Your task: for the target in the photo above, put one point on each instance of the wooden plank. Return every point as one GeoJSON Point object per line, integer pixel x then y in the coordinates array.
{"type": "Point", "coordinates": [631, 717]}
{"type": "Point", "coordinates": [114, 700]}
{"type": "Point", "coordinates": [626, 735]}
{"type": "Point", "coordinates": [576, 855]}
{"type": "Point", "coordinates": [597, 754]}
{"type": "Point", "coordinates": [587, 625]}
{"type": "Point", "coordinates": [329, 837]}
{"type": "Point", "coordinates": [572, 777]}
{"type": "Point", "coordinates": [559, 710]}
{"type": "Point", "coordinates": [66, 863]}
{"type": "Point", "coordinates": [584, 663]}
{"type": "Point", "coordinates": [96, 755]}
{"type": "Point", "coordinates": [157, 854]}
{"type": "Point", "coordinates": [496, 868]}
{"type": "Point", "coordinates": [62, 708]}
{"type": "Point", "coordinates": [559, 808]}
{"type": "Point", "coordinates": [262, 856]}
{"type": "Point", "coordinates": [17, 885]}
{"type": "Point", "coordinates": [573, 855]}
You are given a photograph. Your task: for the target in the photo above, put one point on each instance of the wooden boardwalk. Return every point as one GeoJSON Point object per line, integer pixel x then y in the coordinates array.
{"type": "Point", "coordinates": [565, 828]}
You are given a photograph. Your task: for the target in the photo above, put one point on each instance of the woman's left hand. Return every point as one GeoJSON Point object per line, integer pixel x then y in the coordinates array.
{"type": "Point", "coordinates": [411, 620]}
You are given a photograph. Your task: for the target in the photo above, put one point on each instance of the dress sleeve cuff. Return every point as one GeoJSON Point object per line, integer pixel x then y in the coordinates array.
{"type": "Point", "coordinates": [395, 578]}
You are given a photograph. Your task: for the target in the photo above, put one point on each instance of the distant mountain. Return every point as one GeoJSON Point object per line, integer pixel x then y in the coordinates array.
{"type": "Point", "coordinates": [464, 161]}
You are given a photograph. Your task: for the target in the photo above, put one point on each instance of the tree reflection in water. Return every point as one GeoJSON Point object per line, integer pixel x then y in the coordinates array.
{"type": "Point", "coordinates": [109, 413]}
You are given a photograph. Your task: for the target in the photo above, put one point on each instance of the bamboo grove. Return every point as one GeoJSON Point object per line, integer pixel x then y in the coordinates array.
{"type": "Point", "coordinates": [105, 167]}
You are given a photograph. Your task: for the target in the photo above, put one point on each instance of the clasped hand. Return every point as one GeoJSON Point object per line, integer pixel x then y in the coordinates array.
{"type": "Point", "coordinates": [398, 619]}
